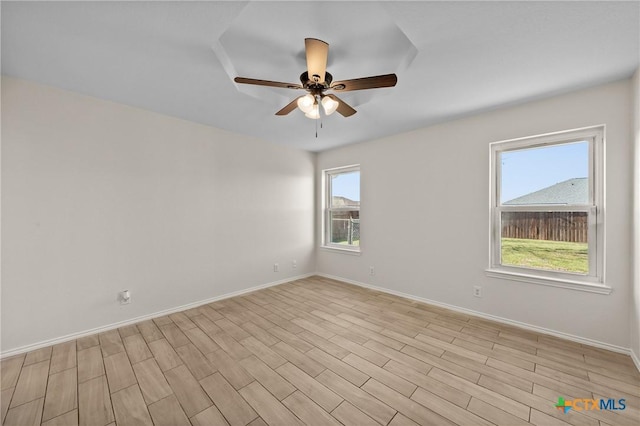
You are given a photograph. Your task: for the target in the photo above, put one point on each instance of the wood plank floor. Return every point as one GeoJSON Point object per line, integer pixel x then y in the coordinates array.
{"type": "Point", "coordinates": [316, 352]}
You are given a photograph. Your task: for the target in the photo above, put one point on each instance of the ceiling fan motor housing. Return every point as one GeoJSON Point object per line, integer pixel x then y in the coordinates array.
{"type": "Point", "coordinates": [313, 83]}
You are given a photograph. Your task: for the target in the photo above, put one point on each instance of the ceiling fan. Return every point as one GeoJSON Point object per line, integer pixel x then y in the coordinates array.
{"type": "Point", "coordinates": [316, 81]}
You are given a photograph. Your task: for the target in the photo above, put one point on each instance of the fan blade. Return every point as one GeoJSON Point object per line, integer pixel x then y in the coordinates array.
{"type": "Point", "coordinates": [317, 53]}
{"type": "Point", "coordinates": [375, 82]}
{"type": "Point", "coordinates": [289, 107]}
{"type": "Point", "coordinates": [256, 82]}
{"type": "Point", "coordinates": [343, 108]}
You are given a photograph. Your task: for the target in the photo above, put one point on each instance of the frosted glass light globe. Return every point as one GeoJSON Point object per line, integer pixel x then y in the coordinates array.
{"type": "Point", "coordinates": [305, 103]}
{"type": "Point", "coordinates": [329, 105]}
{"type": "Point", "coordinates": [314, 113]}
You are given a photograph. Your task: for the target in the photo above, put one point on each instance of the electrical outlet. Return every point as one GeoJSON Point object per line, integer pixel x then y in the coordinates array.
{"type": "Point", "coordinates": [276, 267]}
{"type": "Point", "coordinates": [372, 270]}
{"type": "Point", "coordinates": [477, 291]}
{"type": "Point", "coordinates": [294, 264]}
{"type": "Point", "coordinates": [124, 297]}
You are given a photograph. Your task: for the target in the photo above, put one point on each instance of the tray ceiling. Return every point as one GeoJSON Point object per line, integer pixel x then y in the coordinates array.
{"type": "Point", "coordinates": [452, 58]}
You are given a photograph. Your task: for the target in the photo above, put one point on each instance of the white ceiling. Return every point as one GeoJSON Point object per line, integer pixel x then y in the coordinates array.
{"type": "Point", "coordinates": [452, 58]}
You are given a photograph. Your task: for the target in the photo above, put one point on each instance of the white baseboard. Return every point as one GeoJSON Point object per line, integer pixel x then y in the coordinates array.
{"type": "Point", "coordinates": [635, 358]}
{"type": "Point", "coordinates": [73, 336]}
{"type": "Point", "coordinates": [555, 333]}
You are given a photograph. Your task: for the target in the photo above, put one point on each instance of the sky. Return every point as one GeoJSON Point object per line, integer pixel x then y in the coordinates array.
{"type": "Point", "coordinates": [529, 170]}
{"type": "Point", "coordinates": [347, 185]}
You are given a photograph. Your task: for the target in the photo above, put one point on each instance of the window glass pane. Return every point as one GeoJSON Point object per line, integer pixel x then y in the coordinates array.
{"type": "Point", "coordinates": [555, 174]}
{"type": "Point", "coordinates": [554, 241]}
{"type": "Point", "coordinates": [345, 227]}
{"type": "Point", "coordinates": [345, 189]}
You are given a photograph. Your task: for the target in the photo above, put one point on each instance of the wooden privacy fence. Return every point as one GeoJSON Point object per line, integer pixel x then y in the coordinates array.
{"type": "Point", "coordinates": [554, 226]}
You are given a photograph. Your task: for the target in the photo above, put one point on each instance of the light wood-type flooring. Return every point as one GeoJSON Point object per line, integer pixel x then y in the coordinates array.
{"type": "Point", "coordinates": [316, 352]}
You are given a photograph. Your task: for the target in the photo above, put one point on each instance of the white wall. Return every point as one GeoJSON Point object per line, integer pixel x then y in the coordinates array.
{"type": "Point", "coordinates": [425, 214]}
{"type": "Point", "coordinates": [98, 197]}
{"type": "Point", "coordinates": [635, 300]}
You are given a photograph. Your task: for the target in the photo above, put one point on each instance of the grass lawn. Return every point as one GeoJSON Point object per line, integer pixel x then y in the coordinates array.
{"type": "Point", "coordinates": [542, 254]}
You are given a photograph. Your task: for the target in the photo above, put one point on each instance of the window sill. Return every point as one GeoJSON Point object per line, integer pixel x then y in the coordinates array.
{"type": "Point", "coordinates": [552, 282]}
{"type": "Point", "coordinates": [353, 252]}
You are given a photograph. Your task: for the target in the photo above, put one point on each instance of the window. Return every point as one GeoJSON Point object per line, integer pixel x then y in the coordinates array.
{"type": "Point", "coordinates": [547, 211]}
{"type": "Point", "coordinates": [342, 208]}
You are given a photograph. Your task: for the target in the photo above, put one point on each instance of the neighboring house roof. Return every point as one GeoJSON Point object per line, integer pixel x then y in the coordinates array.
{"type": "Point", "coordinates": [339, 201]}
{"type": "Point", "coordinates": [572, 191]}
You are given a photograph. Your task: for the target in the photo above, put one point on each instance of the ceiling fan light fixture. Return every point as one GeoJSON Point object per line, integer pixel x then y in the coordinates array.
{"type": "Point", "coordinates": [306, 102]}
{"type": "Point", "coordinates": [314, 114]}
{"type": "Point", "coordinates": [329, 105]}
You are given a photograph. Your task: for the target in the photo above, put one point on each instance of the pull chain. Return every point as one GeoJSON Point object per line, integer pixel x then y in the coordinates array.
{"type": "Point", "coordinates": [319, 117]}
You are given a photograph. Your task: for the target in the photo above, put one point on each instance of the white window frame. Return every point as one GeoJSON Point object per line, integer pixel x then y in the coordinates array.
{"type": "Point", "coordinates": [594, 281]}
{"type": "Point", "coordinates": [327, 209]}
